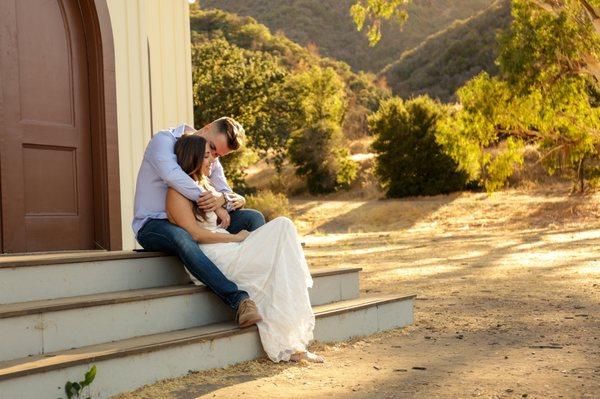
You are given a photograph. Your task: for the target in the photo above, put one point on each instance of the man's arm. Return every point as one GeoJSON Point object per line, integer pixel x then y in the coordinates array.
{"type": "Point", "coordinates": [161, 157]}
{"type": "Point", "coordinates": [218, 179]}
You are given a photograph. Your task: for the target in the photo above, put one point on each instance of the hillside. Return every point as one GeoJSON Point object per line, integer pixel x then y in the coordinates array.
{"type": "Point", "coordinates": [327, 23]}
{"type": "Point", "coordinates": [363, 91]}
{"type": "Point", "coordinates": [446, 60]}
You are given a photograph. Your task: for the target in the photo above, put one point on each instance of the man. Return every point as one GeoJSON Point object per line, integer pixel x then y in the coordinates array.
{"type": "Point", "coordinates": [159, 170]}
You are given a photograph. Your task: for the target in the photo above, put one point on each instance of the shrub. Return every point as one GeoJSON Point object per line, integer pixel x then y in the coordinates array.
{"type": "Point", "coordinates": [409, 160]}
{"type": "Point", "coordinates": [271, 205]}
{"type": "Point", "coordinates": [320, 154]}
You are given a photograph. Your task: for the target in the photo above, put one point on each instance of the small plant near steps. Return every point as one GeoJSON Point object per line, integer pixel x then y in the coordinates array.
{"type": "Point", "coordinates": [74, 390]}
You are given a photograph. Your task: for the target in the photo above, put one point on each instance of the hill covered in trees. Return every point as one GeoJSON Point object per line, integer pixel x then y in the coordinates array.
{"type": "Point", "coordinates": [296, 105]}
{"type": "Point", "coordinates": [364, 92]}
{"type": "Point", "coordinates": [445, 61]}
{"type": "Point", "coordinates": [328, 24]}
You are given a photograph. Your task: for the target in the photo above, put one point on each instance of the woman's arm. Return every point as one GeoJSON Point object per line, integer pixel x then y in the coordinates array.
{"type": "Point", "coordinates": [181, 213]}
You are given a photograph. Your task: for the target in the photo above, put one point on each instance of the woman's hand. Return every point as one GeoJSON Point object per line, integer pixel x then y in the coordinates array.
{"type": "Point", "coordinates": [224, 217]}
{"type": "Point", "coordinates": [242, 235]}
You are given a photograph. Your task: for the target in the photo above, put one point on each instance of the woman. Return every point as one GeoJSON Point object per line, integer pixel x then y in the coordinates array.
{"type": "Point", "coordinates": [268, 263]}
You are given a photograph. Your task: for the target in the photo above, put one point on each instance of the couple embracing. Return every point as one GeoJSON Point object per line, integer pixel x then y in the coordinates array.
{"type": "Point", "coordinates": [184, 207]}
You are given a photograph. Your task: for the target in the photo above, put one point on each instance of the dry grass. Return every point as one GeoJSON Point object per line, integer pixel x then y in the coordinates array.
{"type": "Point", "coordinates": [496, 277]}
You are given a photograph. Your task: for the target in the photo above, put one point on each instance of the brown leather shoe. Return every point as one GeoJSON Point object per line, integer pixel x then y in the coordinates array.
{"type": "Point", "coordinates": [247, 314]}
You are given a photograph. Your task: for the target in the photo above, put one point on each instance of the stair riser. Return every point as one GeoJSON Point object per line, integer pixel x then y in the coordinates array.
{"type": "Point", "coordinates": [74, 328]}
{"type": "Point", "coordinates": [127, 373]}
{"type": "Point", "coordinates": [31, 283]}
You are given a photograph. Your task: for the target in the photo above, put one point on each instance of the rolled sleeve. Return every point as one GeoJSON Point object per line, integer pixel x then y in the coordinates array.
{"type": "Point", "coordinates": [217, 178]}
{"type": "Point", "coordinates": [159, 154]}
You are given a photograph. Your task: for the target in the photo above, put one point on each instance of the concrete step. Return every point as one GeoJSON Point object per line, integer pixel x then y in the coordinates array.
{"type": "Point", "coordinates": [65, 274]}
{"type": "Point", "coordinates": [128, 364]}
{"type": "Point", "coordinates": [38, 327]}
{"type": "Point", "coordinates": [57, 275]}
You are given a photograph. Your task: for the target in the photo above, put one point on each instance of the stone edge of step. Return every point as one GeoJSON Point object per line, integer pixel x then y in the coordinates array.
{"type": "Point", "coordinates": [59, 258]}
{"type": "Point", "coordinates": [132, 346]}
{"type": "Point", "coordinates": [109, 298]}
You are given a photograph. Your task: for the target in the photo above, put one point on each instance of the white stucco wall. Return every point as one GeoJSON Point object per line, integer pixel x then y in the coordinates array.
{"type": "Point", "coordinates": [154, 82]}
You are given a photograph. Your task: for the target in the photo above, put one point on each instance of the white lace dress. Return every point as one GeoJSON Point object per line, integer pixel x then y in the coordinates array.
{"type": "Point", "coordinates": [270, 266]}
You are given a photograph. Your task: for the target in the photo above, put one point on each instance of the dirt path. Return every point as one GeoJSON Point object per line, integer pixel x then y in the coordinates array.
{"type": "Point", "coordinates": [508, 302]}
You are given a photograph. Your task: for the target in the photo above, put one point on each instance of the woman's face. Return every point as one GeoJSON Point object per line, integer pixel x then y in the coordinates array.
{"type": "Point", "coordinates": [207, 162]}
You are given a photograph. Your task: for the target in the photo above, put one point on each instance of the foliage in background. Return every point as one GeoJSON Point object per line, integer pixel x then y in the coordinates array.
{"type": "Point", "coordinates": [230, 81]}
{"type": "Point", "coordinates": [362, 90]}
{"type": "Point", "coordinates": [271, 205]}
{"type": "Point", "coordinates": [329, 25]}
{"type": "Point", "coordinates": [445, 61]}
{"type": "Point", "coordinates": [274, 87]}
{"type": "Point", "coordinates": [320, 155]}
{"type": "Point", "coordinates": [409, 160]}
{"type": "Point", "coordinates": [374, 12]}
{"type": "Point", "coordinates": [542, 95]}
{"type": "Point", "coordinates": [469, 134]}
{"type": "Point", "coordinates": [318, 148]}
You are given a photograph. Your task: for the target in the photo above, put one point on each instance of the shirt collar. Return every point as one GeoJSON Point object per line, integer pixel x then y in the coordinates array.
{"type": "Point", "coordinates": [181, 129]}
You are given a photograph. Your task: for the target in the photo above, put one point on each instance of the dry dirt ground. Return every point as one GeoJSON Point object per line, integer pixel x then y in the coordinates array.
{"type": "Point", "coordinates": [508, 301]}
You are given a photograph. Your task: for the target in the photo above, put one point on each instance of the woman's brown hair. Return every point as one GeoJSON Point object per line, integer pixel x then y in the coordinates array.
{"type": "Point", "coordinates": [189, 150]}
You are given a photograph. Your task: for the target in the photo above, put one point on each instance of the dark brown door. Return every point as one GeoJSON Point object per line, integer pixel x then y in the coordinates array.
{"type": "Point", "coordinates": [45, 143]}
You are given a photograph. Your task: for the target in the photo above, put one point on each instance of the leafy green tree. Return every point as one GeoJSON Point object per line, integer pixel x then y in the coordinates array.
{"type": "Point", "coordinates": [544, 95]}
{"type": "Point", "coordinates": [230, 81]}
{"type": "Point", "coordinates": [409, 160]}
{"type": "Point", "coordinates": [318, 149]}
{"type": "Point", "coordinates": [320, 155]}
{"type": "Point", "coordinates": [469, 134]}
{"type": "Point", "coordinates": [548, 58]}
{"type": "Point", "coordinates": [272, 128]}
{"type": "Point", "coordinates": [322, 95]}
{"type": "Point", "coordinates": [374, 11]}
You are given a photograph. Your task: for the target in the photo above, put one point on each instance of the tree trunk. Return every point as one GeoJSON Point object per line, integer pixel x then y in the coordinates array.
{"type": "Point", "coordinates": [581, 174]}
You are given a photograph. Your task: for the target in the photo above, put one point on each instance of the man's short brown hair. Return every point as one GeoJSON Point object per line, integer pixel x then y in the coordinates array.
{"type": "Point", "coordinates": [233, 130]}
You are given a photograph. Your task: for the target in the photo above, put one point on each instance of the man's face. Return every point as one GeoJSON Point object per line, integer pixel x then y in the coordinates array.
{"type": "Point", "coordinates": [218, 145]}
{"type": "Point", "coordinates": [217, 142]}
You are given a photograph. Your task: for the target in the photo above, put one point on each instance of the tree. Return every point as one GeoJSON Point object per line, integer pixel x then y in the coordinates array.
{"type": "Point", "coordinates": [409, 160]}
{"type": "Point", "coordinates": [320, 155]}
{"type": "Point", "coordinates": [230, 81]}
{"type": "Point", "coordinates": [548, 59]}
{"type": "Point", "coordinates": [585, 18]}
{"type": "Point", "coordinates": [470, 136]}
{"type": "Point", "coordinates": [322, 95]}
{"type": "Point", "coordinates": [543, 95]}
{"type": "Point", "coordinates": [318, 148]}
{"type": "Point", "coordinates": [373, 11]}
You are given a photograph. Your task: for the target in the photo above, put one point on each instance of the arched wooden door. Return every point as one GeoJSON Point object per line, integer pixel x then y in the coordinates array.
{"type": "Point", "coordinates": [45, 135]}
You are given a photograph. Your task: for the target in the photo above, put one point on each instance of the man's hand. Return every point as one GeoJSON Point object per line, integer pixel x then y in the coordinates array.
{"type": "Point", "coordinates": [236, 200]}
{"type": "Point", "coordinates": [210, 201]}
{"type": "Point", "coordinates": [223, 217]}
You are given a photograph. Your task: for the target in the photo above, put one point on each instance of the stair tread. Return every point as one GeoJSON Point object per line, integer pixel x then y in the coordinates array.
{"type": "Point", "coordinates": [148, 343]}
{"type": "Point", "coordinates": [53, 258]}
{"type": "Point", "coordinates": [106, 298]}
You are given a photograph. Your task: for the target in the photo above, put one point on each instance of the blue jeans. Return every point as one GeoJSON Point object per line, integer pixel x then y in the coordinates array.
{"type": "Point", "coordinates": [162, 236]}
{"type": "Point", "coordinates": [245, 219]}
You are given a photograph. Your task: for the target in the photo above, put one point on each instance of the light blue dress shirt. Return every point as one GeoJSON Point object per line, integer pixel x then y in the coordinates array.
{"type": "Point", "coordinates": [160, 170]}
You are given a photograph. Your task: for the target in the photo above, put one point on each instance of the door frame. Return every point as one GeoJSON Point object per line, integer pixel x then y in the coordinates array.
{"type": "Point", "coordinates": [103, 123]}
